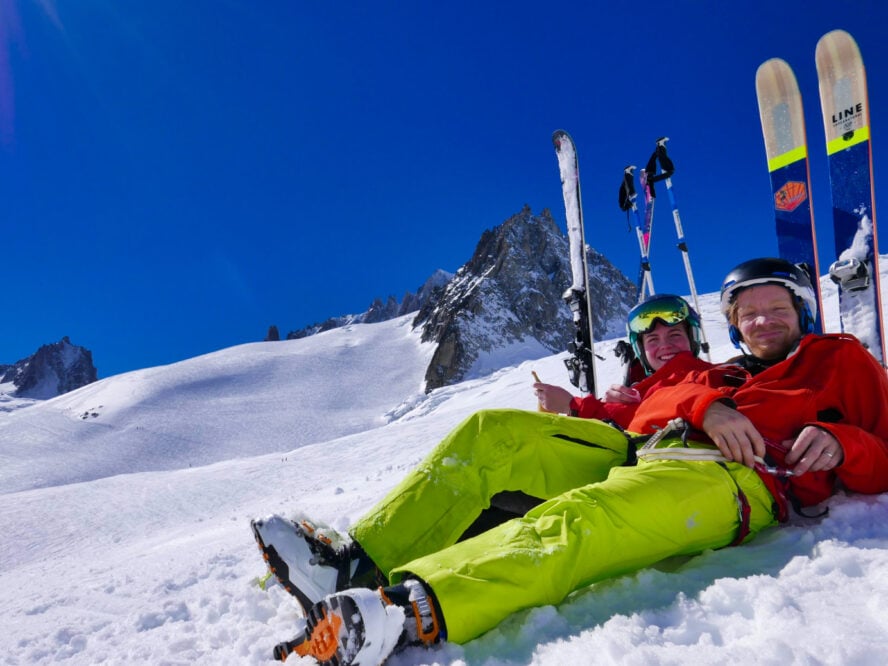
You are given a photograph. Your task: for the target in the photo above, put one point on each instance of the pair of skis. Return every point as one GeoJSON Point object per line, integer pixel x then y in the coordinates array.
{"type": "Point", "coordinates": [845, 108]}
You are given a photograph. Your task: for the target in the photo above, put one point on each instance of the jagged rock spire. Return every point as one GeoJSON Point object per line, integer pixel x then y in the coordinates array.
{"type": "Point", "coordinates": [510, 294]}
{"type": "Point", "coordinates": [52, 370]}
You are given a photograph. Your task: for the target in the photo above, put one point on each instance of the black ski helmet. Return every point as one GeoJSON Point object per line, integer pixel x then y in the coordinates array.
{"type": "Point", "coordinates": [770, 270]}
{"type": "Point", "coordinates": [667, 309]}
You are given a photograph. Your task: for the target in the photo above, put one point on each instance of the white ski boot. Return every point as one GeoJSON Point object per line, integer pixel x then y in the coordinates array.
{"type": "Point", "coordinates": [362, 627]}
{"type": "Point", "coordinates": [312, 560]}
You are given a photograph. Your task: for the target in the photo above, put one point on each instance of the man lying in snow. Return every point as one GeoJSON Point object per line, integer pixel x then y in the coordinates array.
{"type": "Point", "coordinates": [730, 453]}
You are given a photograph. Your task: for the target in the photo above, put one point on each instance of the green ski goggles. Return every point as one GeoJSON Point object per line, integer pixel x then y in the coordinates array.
{"type": "Point", "coordinates": [669, 309]}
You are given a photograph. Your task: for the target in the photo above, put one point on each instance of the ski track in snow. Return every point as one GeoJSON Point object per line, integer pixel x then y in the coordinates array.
{"type": "Point", "coordinates": [124, 509]}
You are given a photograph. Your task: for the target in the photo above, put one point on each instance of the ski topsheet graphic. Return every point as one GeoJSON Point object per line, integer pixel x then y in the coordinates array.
{"type": "Point", "coordinates": [783, 127]}
{"type": "Point", "coordinates": [581, 364]}
{"type": "Point", "coordinates": [843, 98]}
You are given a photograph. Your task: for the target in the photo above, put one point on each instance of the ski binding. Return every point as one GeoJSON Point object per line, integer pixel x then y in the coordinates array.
{"type": "Point", "coordinates": [850, 274]}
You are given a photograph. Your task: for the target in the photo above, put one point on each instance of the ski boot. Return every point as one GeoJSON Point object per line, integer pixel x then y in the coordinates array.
{"type": "Point", "coordinates": [363, 627]}
{"type": "Point", "coordinates": [311, 560]}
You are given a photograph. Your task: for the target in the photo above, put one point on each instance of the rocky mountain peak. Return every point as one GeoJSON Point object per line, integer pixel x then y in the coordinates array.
{"type": "Point", "coordinates": [52, 370]}
{"type": "Point", "coordinates": [380, 310]}
{"type": "Point", "coordinates": [509, 295]}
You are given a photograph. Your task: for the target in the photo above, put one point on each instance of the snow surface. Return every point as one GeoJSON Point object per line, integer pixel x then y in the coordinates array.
{"type": "Point", "coordinates": [124, 510]}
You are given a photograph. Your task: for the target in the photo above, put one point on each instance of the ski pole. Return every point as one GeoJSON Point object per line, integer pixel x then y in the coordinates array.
{"type": "Point", "coordinates": [667, 169]}
{"type": "Point", "coordinates": [650, 196]}
{"type": "Point", "coordinates": [628, 197]}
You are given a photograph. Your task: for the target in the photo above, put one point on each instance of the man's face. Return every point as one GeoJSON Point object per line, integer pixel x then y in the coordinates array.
{"type": "Point", "coordinates": [767, 320]}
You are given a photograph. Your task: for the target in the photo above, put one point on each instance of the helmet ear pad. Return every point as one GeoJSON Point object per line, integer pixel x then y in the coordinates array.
{"type": "Point", "coordinates": [734, 335]}
{"type": "Point", "coordinates": [806, 319]}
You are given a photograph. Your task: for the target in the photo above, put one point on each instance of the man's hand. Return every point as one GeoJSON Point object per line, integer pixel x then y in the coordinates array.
{"type": "Point", "coordinates": [814, 450]}
{"type": "Point", "coordinates": [733, 434]}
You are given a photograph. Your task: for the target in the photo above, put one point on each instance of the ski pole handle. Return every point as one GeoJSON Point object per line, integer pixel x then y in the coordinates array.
{"type": "Point", "coordinates": [667, 168]}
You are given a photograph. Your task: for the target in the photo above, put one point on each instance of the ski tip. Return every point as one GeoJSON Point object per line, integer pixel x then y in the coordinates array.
{"type": "Point", "coordinates": [837, 35]}
{"type": "Point", "coordinates": [777, 68]}
{"type": "Point", "coordinates": [836, 43]}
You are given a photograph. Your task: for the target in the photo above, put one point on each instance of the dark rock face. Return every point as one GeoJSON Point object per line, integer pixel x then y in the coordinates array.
{"type": "Point", "coordinates": [52, 370]}
{"type": "Point", "coordinates": [509, 296]}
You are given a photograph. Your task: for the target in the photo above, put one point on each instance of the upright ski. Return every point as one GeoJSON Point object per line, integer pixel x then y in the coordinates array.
{"type": "Point", "coordinates": [845, 107]}
{"type": "Point", "coordinates": [581, 364]}
{"type": "Point", "coordinates": [783, 127]}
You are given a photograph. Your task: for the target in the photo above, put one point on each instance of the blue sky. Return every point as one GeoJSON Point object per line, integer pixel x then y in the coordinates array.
{"type": "Point", "coordinates": [177, 175]}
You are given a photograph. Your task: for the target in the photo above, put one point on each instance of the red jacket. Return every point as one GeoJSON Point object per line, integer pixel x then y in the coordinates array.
{"type": "Point", "coordinates": [830, 381]}
{"type": "Point", "coordinates": [620, 413]}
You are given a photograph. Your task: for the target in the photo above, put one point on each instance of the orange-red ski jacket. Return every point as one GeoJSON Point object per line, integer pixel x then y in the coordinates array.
{"type": "Point", "coordinates": [620, 413]}
{"type": "Point", "coordinates": [830, 381]}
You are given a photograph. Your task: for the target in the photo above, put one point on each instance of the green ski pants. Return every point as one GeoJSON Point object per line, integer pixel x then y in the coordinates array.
{"type": "Point", "coordinates": [600, 519]}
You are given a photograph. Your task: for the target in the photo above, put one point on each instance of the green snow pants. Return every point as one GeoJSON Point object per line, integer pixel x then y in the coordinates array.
{"type": "Point", "coordinates": [600, 519]}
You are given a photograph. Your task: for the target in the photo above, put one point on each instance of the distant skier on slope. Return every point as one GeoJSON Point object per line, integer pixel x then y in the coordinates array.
{"type": "Point", "coordinates": [731, 452]}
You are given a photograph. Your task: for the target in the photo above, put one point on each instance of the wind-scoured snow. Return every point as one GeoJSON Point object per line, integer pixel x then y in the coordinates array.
{"type": "Point", "coordinates": [124, 511]}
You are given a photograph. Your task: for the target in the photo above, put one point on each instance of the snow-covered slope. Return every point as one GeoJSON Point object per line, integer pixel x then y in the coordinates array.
{"type": "Point", "coordinates": [125, 534]}
{"type": "Point", "coordinates": [234, 403]}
